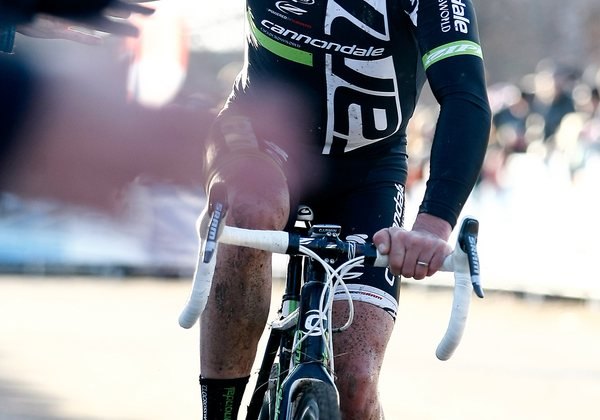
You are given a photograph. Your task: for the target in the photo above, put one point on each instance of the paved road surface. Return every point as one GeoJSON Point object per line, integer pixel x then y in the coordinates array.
{"type": "Point", "coordinates": [91, 349]}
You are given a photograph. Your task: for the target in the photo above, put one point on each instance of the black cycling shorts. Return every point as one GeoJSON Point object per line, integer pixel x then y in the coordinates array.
{"type": "Point", "coordinates": [362, 195]}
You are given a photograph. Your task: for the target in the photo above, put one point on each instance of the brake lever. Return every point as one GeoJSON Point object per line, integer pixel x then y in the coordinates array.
{"type": "Point", "coordinates": [467, 239]}
{"type": "Point", "coordinates": [217, 206]}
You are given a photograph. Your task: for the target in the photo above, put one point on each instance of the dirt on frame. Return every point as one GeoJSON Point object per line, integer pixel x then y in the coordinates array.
{"type": "Point", "coordinates": [111, 349]}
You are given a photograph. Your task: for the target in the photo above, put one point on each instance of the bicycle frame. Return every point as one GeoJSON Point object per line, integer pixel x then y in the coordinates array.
{"type": "Point", "coordinates": [310, 359]}
{"type": "Point", "coordinates": [280, 340]}
{"type": "Point", "coordinates": [298, 338]}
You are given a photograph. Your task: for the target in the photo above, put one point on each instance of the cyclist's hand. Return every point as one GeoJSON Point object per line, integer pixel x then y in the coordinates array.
{"type": "Point", "coordinates": [419, 252]}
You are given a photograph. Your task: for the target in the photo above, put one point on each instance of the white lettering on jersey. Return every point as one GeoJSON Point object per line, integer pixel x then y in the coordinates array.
{"type": "Point", "coordinates": [414, 13]}
{"type": "Point", "coordinates": [453, 16]}
{"type": "Point", "coordinates": [334, 11]}
{"type": "Point", "coordinates": [359, 115]}
{"type": "Point", "coordinates": [398, 222]}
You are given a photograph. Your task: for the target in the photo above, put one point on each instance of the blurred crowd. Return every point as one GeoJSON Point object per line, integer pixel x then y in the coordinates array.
{"type": "Point", "coordinates": [552, 113]}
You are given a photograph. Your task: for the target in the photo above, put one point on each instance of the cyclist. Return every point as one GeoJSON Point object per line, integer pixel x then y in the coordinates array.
{"type": "Point", "coordinates": [318, 115]}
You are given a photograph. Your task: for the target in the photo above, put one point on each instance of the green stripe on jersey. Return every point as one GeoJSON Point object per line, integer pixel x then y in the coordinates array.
{"type": "Point", "coordinates": [450, 50]}
{"type": "Point", "coordinates": [282, 50]}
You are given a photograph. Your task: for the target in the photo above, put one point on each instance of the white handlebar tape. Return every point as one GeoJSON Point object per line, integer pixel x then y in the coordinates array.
{"type": "Point", "coordinates": [266, 240]}
{"type": "Point", "coordinates": [458, 316]}
{"type": "Point", "coordinates": [200, 291]}
{"type": "Point", "coordinates": [278, 242]}
{"type": "Point", "coordinates": [458, 263]}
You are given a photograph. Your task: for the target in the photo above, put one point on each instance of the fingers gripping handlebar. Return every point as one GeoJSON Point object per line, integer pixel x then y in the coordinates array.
{"type": "Point", "coordinates": [463, 262]}
{"type": "Point", "coordinates": [467, 243]}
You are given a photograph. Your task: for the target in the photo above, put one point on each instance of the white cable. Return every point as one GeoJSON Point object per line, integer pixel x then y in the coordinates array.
{"type": "Point", "coordinates": [340, 274]}
{"type": "Point", "coordinates": [320, 327]}
{"type": "Point", "coordinates": [326, 307]}
{"type": "Point", "coordinates": [344, 271]}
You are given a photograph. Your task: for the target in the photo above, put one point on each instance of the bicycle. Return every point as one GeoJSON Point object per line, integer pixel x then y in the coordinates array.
{"type": "Point", "coordinates": [296, 377]}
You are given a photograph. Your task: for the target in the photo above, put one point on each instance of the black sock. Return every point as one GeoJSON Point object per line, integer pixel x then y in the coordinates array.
{"type": "Point", "coordinates": [221, 398]}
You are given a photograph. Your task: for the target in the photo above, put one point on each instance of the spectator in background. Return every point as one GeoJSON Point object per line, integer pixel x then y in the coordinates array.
{"type": "Point", "coordinates": [511, 120]}
{"type": "Point", "coordinates": [552, 115]}
{"type": "Point", "coordinates": [554, 97]}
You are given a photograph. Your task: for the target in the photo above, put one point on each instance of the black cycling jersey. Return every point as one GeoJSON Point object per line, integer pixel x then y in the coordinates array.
{"type": "Point", "coordinates": [355, 68]}
{"type": "Point", "coordinates": [326, 93]}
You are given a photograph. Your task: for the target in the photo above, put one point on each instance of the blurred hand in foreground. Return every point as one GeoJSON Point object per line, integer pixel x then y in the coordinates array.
{"type": "Point", "coordinates": [79, 21]}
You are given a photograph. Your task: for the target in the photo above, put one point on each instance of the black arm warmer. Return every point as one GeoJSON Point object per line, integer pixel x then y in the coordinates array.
{"type": "Point", "coordinates": [461, 136]}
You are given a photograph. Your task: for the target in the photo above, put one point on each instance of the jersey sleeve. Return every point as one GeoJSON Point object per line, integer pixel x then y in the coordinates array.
{"type": "Point", "coordinates": [447, 34]}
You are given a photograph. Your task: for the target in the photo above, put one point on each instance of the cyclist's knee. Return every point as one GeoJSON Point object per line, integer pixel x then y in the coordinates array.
{"type": "Point", "coordinates": [257, 195]}
{"type": "Point", "coordinates": [265, 209]}
{"type": "Point", "coordinates": [358, 394]}
{"type": "Point", "coordinates": [251, 169]}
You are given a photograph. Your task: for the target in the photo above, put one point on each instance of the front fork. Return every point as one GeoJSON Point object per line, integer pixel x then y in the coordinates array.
{"type": "Point", "coordinates": [280, 342]}
{"type": "Point", "coordinates": [310, 359]}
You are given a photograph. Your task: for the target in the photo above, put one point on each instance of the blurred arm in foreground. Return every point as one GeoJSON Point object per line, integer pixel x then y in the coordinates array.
{"type": "Point", "coordinates": [80, 141]}
{"type": "Point", "coordinates": [69, 133]}
{"type": "Point", "coordinates": [59, 16]}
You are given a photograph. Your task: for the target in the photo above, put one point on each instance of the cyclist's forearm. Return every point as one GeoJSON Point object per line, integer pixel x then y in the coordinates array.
{"type": "Point", "coordinates": [453, 61]}
{"type": "Point", "coordinates": [457, 155]}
